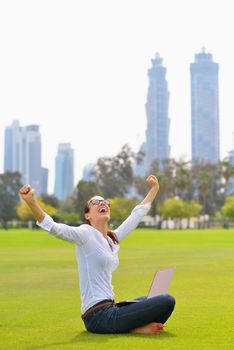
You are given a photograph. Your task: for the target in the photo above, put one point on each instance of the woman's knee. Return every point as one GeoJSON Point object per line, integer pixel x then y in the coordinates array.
{"type": "Point", "coordinates": [169, 301]}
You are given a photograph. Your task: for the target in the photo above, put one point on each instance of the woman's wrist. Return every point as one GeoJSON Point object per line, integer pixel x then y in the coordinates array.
{"type": "Point", "coordinates": [30, 201]}
{"type": "Point", "coordinates": [155, 188]}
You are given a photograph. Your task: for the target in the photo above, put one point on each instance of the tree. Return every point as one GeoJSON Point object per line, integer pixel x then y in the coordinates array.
{"type": "Point", "coordinates": [140, 185]}
{"type": "Point", "coordinates": [25, 214]}
{"type": "Point", "coordinates": [83, 192]}
{"type": "Point", "coordinates": [172, 208]}
{"type": "Point", "coordinates": [163, 180]}
{"type": "Point", "coordinates": [182, 178]}
{"type": "Point", "coordinates": [10, 183]}
{"type": "Point", "coordinates": [68, 205]}
{"type": "Point", "coordinates": [228, 207]}
{"type": "Point", "coordinates": [70, 218]}
{"type": "Point", "coordinates": [207, 187]}
{"type": "Point", "coordinates": [191, 209]}
{"type": "Point", "coordinates": [121, 208]}
{"type": "Point", "coordinates": [67, 212]}
{"type": "Point", "coordinates": [114, 175]}
{"type": "Point", "coordinates": [50, 199]}
{"type": "Point", "coordinates": [168, 170]}
{"type": "Point", "coordinates": [227, 171]}
{"type": "Point", "coordinates": [164, 185]}
{"type": "Point", "coordinates": [176, 208]}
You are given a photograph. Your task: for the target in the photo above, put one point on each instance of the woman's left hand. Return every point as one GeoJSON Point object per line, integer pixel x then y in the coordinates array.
{"type": "Point", "coordinates": [152, 181]}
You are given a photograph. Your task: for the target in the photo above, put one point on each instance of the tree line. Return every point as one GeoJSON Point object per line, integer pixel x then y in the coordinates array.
{"type": "Point", "coordinates": [186, 189]}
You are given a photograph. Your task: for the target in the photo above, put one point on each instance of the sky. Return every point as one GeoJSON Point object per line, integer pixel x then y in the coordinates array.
{"type": "Point", "coordinates": [78, 69]}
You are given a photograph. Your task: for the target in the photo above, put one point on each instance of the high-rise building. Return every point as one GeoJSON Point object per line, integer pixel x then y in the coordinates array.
{"type": "Point", "coordinates": [140, 166]}
{"type": "Point", "coordinates": [89, 172]}
{"type": "Point", "coordinates": [44, 180]}
{"type": "Point", "coordinates": [157, 133]}
{"type": "Point", "coordinates": [23, 153]}
{"type": "Point", "coordinates": [205, 108]}
{"type": "Point", "coordinates": [230, 188]}
{"type": "Point", "coordinates": [64, 171]}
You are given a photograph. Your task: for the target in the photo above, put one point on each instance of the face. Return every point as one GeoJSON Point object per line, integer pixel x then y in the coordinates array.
{"type": "Point", "coordinates": [99, 210]}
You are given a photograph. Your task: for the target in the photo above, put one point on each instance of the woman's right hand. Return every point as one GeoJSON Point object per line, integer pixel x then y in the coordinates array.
{"type": "Point", "coordinates": [27, 193]}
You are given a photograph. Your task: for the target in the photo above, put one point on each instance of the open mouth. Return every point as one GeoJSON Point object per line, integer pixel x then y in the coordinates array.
{"type": "Point", "coordinates": [102, 210]}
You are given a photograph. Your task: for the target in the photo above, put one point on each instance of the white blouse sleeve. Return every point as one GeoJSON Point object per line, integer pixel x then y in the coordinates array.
{"type": "Point", "coordinates": [73, 234]}
{"type": "Point", "coordinates": [132, 221]}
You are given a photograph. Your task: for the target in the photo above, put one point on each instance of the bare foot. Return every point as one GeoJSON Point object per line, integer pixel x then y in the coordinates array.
{"type": "Point", "coordinates": [151, 328]}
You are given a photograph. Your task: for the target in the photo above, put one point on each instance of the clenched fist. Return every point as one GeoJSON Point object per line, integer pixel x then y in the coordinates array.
{"type": "Point", "coordinates": [152, 181]}
{"type": "Point", "coordinates": [27, 193]}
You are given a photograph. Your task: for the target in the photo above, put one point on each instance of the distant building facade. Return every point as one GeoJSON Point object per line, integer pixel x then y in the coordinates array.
{"type": "Point", "coordinates": [230, 189]}
{"type": "Point", "coordinates": [22, 153]}
{"type": "Point", "coordinates": [44, 180]}
{"type": "Point", "coordinates": [158, 123]}
{"type": "Point", "coordinates": [88, 172]}
{"type": "Point", "coordinates": [140, 167]}
{"type": "Point", "coordinates": [205, 108]}
{"type": "Point", "coordinates": [64, 171]}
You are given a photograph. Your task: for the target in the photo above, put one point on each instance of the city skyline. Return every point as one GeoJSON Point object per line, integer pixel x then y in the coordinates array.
{"type": "Point", "coordinates": [157, 98]}
{"type": "Point", "coordinates": [82, 76]}
{"type": "Point", "coordinates": [22, 153]}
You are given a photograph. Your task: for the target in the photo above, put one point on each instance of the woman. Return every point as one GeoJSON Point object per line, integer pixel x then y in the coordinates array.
{"type": "Point", "coordinates": [97, 254]}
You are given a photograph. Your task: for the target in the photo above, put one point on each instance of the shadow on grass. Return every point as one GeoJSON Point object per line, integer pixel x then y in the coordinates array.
{"type": "Point", "coordinates": [81, 337]}
{"type": "Point", "coordinates": [102, 338]}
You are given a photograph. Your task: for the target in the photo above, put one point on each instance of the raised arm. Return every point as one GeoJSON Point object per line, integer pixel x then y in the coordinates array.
{"type": "Point", "coordinates": [152, 181]}
{"type": "Point", "coordinates": [27, 193]}
{"type": "Point", "coordinates": [139, 211]}
{"type": "Point", "coordinates": [78, 235]}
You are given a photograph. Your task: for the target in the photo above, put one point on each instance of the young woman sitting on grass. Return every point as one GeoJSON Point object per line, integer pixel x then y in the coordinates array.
{"type": "Point", "coordinates": [97, 255]}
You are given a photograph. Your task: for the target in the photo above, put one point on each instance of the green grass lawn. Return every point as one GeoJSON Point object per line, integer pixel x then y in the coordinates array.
{"type": "Point", "coordinates": [40, 301]}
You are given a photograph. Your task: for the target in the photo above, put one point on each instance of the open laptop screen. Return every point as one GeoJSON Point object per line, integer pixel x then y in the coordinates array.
{"type": "Point", "coordinates": [161, 282]}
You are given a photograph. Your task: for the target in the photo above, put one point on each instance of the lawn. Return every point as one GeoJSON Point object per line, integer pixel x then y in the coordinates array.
{"type": "Point", "coordinates": [40, 302]}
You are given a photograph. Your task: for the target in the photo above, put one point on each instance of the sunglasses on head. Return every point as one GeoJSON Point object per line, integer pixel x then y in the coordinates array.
{"type": "Point", "coordinates": [98, 201]}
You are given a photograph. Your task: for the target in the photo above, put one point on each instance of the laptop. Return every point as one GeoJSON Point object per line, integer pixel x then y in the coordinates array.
{"type": "Point", "coordinates": [159, 285]}
{"type": "Point", "coordinates": [161, 281]}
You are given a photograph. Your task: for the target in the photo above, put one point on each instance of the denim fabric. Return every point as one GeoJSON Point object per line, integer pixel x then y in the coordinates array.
{"type": "Point", "coordinates": [124, 317]}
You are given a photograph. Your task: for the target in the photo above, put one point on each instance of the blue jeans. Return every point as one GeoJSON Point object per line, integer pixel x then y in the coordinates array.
{"type": "Point", "coordinates": [124, 317]}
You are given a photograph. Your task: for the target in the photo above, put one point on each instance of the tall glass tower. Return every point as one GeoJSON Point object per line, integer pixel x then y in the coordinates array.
{"type": "Point", "coordinates": [205, 108]}
{"type": "Point", "coordinates": [64, 171]}
{"type": "Point", "coordinates": [157, 133]}
{"type": "Point", "coordinates": [23, 154]}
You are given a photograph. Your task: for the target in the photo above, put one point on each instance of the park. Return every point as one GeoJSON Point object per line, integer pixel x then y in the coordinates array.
{"type": "Point", "coordinates": [40, 300]}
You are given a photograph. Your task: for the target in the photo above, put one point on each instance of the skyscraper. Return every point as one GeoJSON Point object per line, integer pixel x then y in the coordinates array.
{"type": "Point", "coordinates": [157, 133]}
{"type": "Point", "coordinates": [140, 166]}
{"type": "Point", "coordinates": [230, 188]}
{"type": "Point", "coordinates": [88, 172]}
{"type": "Point", "coordinates": [205, 108]}
{"type": "Point", "coordinates": [64, 171]}
{"type": "Point", "coordinates": [23, 153]}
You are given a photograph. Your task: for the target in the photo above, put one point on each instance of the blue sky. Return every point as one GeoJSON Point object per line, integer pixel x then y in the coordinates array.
{"type": "Point", "coordinates": [79, 70]}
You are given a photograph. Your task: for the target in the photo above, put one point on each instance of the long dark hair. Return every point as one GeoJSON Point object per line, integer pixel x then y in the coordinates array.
{"type": "Point", "coordinates": [110, 233]}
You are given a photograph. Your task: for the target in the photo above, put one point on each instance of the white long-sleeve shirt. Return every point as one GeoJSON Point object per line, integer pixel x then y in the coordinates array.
{"type": "Point", "coordinates": [96, 260]}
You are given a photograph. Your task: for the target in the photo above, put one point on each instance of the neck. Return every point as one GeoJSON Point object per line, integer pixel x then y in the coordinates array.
{"type": "Point", "coordinates": [102, 227]}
